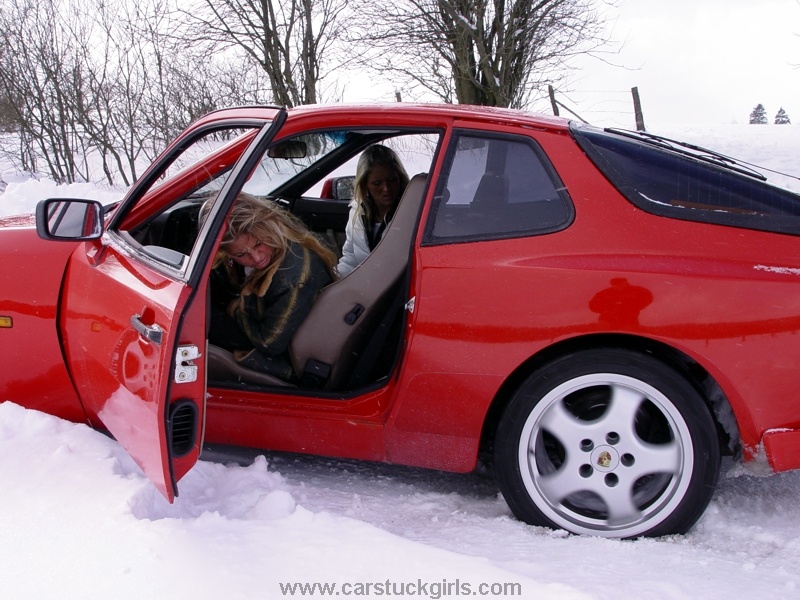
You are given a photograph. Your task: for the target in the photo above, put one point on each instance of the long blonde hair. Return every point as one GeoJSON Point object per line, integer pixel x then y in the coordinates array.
{"type": "Point", "coordinates": [275, 227]}
{"type": "Point", "coordinates": [375, 155]}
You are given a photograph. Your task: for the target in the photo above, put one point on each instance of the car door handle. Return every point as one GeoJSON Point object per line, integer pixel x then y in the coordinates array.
{"type": "Point", "coordinates": [152, 333]}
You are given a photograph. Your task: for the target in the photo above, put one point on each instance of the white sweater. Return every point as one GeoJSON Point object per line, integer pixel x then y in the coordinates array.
{"type": "Point", "coordinates": [356, 246]}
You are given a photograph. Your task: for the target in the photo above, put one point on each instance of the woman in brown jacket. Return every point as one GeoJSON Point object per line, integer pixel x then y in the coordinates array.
{"type": "Point", "coordinates": [267, 274]}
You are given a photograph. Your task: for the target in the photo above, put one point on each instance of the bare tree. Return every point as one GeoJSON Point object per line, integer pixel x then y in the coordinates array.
{"type": "Point", "coordinates": [89, 84]}
{"type": "Point", "coordinates": [159, 83]}
{"type": "Point", "coordinates": [41, 75]}
{"type": "Point", "coordinates": [289, 40]}
{"type": "Point", "coordinates": [495, 53]}
{"type": "Point", "coordinates": [7, 119]}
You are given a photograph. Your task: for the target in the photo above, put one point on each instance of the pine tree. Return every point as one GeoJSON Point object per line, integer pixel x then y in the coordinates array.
{"type": "Point", "coordinates": [759, 115]}
{"type": "Point", "coordinates": [782, 118]}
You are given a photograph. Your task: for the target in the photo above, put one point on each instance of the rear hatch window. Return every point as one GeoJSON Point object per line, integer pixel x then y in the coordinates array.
{"type": "Point", "coordinates": [683, 181]}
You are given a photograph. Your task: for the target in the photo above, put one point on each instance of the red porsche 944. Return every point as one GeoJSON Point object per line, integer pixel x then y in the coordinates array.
{"type": "Point", "coordinates": [603, 313]}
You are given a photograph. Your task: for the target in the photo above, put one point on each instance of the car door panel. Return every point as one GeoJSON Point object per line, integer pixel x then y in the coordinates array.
{"type": "Point", "coordinates": [124, 379]}
{"type": "Point", "coordinates": [133, 310]}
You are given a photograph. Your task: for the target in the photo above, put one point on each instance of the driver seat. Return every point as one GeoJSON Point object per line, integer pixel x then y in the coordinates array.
{"type": "Point", "coordinates": [330, 342]}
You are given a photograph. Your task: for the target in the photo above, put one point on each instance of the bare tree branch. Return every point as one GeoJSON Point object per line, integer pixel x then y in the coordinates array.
{"type": "Point", "coordinates": [490, 52]}
{"type": "Point", "coordinates": [290, 40]}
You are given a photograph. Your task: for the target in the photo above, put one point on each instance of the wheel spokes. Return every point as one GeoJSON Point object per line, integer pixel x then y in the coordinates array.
{"type": "Point", "coordinates": [599, 466]}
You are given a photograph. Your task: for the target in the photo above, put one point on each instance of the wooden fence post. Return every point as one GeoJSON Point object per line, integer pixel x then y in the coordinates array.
{"type": "Point", "coordinates": [553, 102]}
{"type": "Point", "coordinates": [637, 109]}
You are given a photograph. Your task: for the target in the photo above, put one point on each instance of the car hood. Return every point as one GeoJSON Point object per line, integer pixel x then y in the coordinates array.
{"type": "Point", "coordinates": [26, 220]}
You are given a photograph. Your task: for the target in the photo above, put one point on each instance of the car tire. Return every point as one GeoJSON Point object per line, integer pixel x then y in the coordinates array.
{"type": "Point", "coordinates": [610, 443]}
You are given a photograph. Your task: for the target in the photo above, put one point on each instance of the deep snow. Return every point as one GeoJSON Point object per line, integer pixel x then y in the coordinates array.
{"type": "Point", "coordinates": [78, 519]}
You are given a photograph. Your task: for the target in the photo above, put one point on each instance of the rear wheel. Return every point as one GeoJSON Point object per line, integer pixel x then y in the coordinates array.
{"type": "Point", "coordinates": [609, 443]}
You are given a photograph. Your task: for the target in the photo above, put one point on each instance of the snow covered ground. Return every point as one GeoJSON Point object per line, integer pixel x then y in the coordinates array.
{"type": "Point", "coordinates": [78, 520]}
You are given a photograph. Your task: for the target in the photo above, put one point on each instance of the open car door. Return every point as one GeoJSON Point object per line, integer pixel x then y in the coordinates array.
{"type": "Point", "coordinates": [133, 308]}
{"type": "Point", "coordinates": [133, 338]}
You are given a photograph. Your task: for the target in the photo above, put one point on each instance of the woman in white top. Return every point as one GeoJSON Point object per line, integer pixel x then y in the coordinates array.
{"type": "Point", "coordinates": [379, 185]}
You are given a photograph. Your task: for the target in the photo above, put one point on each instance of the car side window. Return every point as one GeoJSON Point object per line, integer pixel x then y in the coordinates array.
{"type": "Point", "coordinates": [496, 187]}
{"type": "Point", "coordinates": [162, 219]}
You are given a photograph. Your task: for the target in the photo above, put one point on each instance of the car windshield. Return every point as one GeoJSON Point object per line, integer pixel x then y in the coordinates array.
{"type": "Point", "coordinates": [300, 165]}
{"type": "Point", "coordinates": [287, 159]}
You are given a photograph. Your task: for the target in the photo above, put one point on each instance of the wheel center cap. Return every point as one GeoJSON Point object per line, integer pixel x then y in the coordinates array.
{"type": "Point", "coordinates": [605, 459]}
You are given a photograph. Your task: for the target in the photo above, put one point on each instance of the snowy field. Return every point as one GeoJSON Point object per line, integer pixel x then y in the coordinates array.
{"type": "Point", "coordinates": [78, 520]}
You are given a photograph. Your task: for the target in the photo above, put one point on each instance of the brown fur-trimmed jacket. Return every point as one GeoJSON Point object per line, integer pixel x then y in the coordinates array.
{"type": "Point", "coordinates": [267, 314]}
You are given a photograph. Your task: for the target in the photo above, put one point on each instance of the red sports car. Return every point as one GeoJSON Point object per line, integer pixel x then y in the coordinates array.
{"type": "Point", "coordinates": [603, 313]}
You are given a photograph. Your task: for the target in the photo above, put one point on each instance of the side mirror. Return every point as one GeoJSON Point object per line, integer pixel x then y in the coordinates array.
{"type": "Point", "coordinates": [69, 219]}
{"type": "Point", "coordinates": [339, 188]}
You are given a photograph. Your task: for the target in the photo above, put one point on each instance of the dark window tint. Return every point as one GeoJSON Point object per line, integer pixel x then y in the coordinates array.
{"type": "Point", "coordinates": [495, 187]}
{"type": "Point", "coordinates": [675, 184]}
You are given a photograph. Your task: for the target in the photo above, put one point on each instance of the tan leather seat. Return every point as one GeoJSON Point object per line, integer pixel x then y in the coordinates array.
{"type": "Point", "coordinates": [345, 315]}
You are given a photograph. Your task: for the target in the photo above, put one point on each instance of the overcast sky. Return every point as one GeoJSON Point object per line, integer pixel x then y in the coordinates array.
{"type": "Point", "coordinates": [695, 61]}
